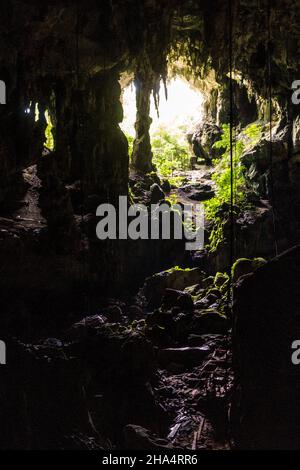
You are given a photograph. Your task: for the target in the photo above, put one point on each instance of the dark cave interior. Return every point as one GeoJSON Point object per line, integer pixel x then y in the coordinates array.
{"type": "Point", "coordinates": [140, 344]}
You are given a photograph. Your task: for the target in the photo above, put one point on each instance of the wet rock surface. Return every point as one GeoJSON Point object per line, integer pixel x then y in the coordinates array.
{"type": "Point", "coordinates": [198, 192]}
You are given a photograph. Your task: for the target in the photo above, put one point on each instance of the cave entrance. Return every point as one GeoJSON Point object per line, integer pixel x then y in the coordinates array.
{"type": "Point", "coordinates": [33, 111]}
{"type": "Point", "coordinates": [173, 120]}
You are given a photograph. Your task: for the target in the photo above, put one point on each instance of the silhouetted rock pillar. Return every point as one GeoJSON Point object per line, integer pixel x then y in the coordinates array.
{"type": "Point", "coordinates": [142, 153]}
{"type": "Point", "coordinates": [106, 147]}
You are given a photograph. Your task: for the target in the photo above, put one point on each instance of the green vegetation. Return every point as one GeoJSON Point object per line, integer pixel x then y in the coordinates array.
{"type": "Point", "coordinates": [172, 199]}
{"type": "Point", "coordinates": [130, 141]}
{"type": "Point", "coordinates": [221, 280]}
{"type": "Point", "coordinates": [49, 143]}
{"type": "Point", "coordinates": [36, 111]}
{"type": "Point", "coordinates": [242, 141]}
{"type": "Point", "coordinates": [170, 153]}
{"type": "Point", "coordinates": [177, 268]}
{"type": "Point", "coordinates": [252, 135]}
{"type": "Point", "coordinates": [130, 195]}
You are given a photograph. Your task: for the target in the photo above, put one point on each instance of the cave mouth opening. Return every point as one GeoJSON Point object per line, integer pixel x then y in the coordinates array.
{"type": "Point", "coordinates": [33, 112]}
{"type": "Point", "coordinates": [173, 119]}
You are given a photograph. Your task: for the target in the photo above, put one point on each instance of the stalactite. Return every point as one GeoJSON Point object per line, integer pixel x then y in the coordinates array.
{"type": "Point", "coordinates": [142, 153]}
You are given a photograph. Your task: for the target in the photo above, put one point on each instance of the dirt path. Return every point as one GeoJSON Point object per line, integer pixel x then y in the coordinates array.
{"type": "Point", "coordinates": [198, 399]}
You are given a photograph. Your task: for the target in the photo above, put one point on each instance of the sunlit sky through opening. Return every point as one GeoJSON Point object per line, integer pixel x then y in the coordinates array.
{"type": "Point", "coordinates": [183, 109]}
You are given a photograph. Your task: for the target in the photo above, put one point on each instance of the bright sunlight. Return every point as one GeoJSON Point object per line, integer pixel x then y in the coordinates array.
{"type": "Point", "coordinates": [183, 109]}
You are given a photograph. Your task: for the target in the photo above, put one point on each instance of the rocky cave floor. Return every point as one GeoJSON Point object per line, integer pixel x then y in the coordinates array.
{"type": "Point", "coordinates": [152, 371]}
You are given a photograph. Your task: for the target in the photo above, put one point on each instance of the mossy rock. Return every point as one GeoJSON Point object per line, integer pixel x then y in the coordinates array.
{"type": "Point", "coordinates": [245, 266]}
{"type": "Point", "coordinates": [215, 291]}
{"type": "Point", "coordinates": [241, 267]}
{"type": "Point", "coordinates": [258, 262]}
{"type": "Point", "coordinates": [193, 290]}
{"type": "Point", "coordinates": [208, 282]}
{"type": "Point", "coordinates": [175, 298]}
{"type": "Point", "coordinates": [166, 186]}
{"type": "Point", "coordinates": [175, 278]}
{"type": "Point", "coordinates": [211, 321]}
{"type": "Point", "coordinates": [221, 279]}
{"type": "Point", "coordinates": [153, 178]}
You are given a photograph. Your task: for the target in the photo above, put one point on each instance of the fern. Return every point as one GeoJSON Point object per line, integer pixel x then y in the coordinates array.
{"type": "Point", "coordinates": [222, 177]}
{"type": "Point", "coordinates": [170, 153]}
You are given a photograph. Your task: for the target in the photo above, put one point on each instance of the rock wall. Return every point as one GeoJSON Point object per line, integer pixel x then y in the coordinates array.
{"type": "Point", "coordinates": [265, 407]}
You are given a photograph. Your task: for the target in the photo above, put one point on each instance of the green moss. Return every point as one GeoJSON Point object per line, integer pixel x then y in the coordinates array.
{"type": "Point", "coordinates": [255, 263]}
{"type": "Point", "coordinates": [258, 262]}
{"type": "Point", "coordinates": [221, 279]}
{"type": "Point", "coordinates": [242, 141]}
{"type": "Point", "coordinates": [172, 199]}
{"type": "Point", "coordinates": [130, 195]}
{"type": "Point", "coordinates": [208, 282]}
{"type": "Point", "coordinates": [244, 266]}
{"type": "Point", "coordinates": [216, 235]}
{"type": "Point", "coordinates": [239, 261]}
{"type": "Point", "coordinates": [130, 141]}
{"type": "Point", "coordinates": [214, 291]}
{"type": "Point", "coordinates": [137, 325]}
{"type": "Point", "coordinates": [177, 268]}
{"type": "Point", "coordinates": [49, 144]}
{"type": "Point", "coordinates": [237, 265]}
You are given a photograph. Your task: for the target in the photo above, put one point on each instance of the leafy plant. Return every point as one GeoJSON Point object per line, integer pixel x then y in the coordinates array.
{"type": "Point", "coordinates": [130, 140]}
{"type": "Point", "coordinates": [253, 134]}
{"type": "Point", "coordinates": [222, 178]}
{"type": "Point", "coordinates": [49, 144]}
{"type": "Point", "coordinates": [170, 153]}
{"type": "Point", "coordinates": [172, 199]}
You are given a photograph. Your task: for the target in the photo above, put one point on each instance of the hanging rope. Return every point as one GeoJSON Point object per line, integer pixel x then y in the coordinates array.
{"type": "Point", "coordinates": [81, 128]}
{"type": "Point", "coordinates": [231, 209]}
{"type": "Point", "coordinates": [231, 125]}
{"type": "Point", "coordinates": [270, 91]}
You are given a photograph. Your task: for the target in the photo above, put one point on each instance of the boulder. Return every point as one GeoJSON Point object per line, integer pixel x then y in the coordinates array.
{"type": "Point", "coordinates": [207, 339]}
{"type": "Point", "coordinates": [166, 186]}
{"type": "Point", "coordinates": [176, 298]}
{"type": "Point", "coordinates": [193, 290]}
{"type": "Point", "coordinates": [203, 140]}
{"type": "Point", "coordinates": [135, 312]}
{"type": "Point", "coordinates": [114, 313]}
{"type": "Point", "coordinates": [210, 321]}
{"type": "Point", "coordinates": [198, 192]}
{"type": "Point", "coordinates": [266, 408]}
{"type": "Point", "coordinates": [187, 356]}
{"type": "Point", "coordinates": [221, 279]}
{"type": "Point", "coordinates": [163, 319]}
{"type": "Point", "coordinates": [156, 194]}
{"type": "Point", "coordinates": [256, 162]}
{"type": "Point", "coordinates": [117, 354]}
{"type": "Point", "coordinates": [175, 278]}
{"type": "Point", "coordinates": [139, 438]}
{"type": "Point", "coordinates": [86, 327]}
{"type": "Point", "coordinates": [245, 266]}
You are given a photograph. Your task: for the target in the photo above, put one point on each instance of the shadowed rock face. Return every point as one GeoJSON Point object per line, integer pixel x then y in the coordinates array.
{"type": "Point", "coordinates": [67, 58]}
{"type": "Point", "coordinates": [266, 322]}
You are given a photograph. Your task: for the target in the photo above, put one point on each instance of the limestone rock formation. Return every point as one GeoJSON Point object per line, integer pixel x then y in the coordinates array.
{"type": "Point", "coordinates": [266, 323]}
